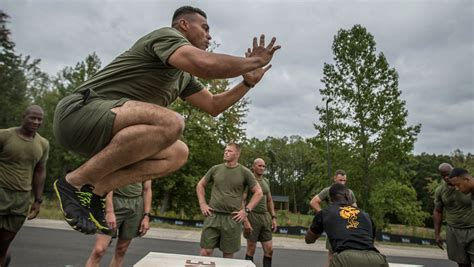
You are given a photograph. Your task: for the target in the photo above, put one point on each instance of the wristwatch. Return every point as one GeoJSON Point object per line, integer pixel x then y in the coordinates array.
{"type": "Point", "coordinates": [146, 214]}
{"type": "Point", "coordinates": [247, 210]}
{"type": "Point", "coordinates": [39, 200]}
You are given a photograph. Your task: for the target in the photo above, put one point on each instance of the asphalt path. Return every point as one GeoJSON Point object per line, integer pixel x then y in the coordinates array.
{"type": "Point", "coordinates": [36, 246]}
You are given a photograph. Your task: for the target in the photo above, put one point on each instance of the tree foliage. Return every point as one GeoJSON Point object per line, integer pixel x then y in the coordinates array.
{"type": "Point", "coordinates": [367, 117]}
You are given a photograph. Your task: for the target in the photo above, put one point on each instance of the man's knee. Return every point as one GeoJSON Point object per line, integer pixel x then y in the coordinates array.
{"type": "Point", "coordinates": [173, 123]}
{"type": "Point", "coordinates": [99, 251]}
{"type": "Point", "coordinates": [181, 152]}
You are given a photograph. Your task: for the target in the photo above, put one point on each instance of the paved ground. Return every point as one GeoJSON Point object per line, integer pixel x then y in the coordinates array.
{"type": "Point", "coordinates": [53, 243]}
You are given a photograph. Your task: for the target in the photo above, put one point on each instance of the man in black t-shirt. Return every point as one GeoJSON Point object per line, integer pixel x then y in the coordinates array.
{"type": "Point", "coordinates": [349, 229]}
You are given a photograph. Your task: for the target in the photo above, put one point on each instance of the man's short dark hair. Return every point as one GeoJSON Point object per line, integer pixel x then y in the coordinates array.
{"type": "Point", "coordinates": [458, 172]}
{"type": "Point", "coordinates": [337, 192]}
{"type": "Point", "coordinates": [186, 10]}
{"type": "Point", "coordinates": [340, 172]}
{"type": "Point", "coordinates": [237, 146]}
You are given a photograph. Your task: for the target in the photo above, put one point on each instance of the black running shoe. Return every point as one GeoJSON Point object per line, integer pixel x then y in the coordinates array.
{"type": "Point", "coordinates": [97, 214]}
{"type": "Point", "coordinates": [74, 205]}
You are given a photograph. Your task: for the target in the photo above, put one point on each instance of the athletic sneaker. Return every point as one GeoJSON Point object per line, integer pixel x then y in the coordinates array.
{"type": "Point", "coordinates": [97, 214]}
{"type": "Point", "coordinates": [74, 205]}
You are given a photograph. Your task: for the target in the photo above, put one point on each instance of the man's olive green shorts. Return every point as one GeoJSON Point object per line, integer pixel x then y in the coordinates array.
{"type": "Point", "coordinates": [83, 122]}
{"type": "Point", "coordinates": [220, 231]}
{"type": "Point", "coordinates": [460, 244]}
{"type": "Point", "coordinates": [358, 258]}
{"type": "Point", "coordinates": [14, 207]}
{"type": "Point", "coordinates": [261, 227]}
{"type": "Point", "coordinates": [128, 214]}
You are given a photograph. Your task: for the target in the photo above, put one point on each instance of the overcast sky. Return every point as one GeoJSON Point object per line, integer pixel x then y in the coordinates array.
{"type": "Point", "coordinates": [429, 43]}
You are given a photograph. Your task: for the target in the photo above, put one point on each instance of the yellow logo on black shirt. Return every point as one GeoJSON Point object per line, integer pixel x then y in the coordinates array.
{"type": "Point", "coordinates": [350, 214]}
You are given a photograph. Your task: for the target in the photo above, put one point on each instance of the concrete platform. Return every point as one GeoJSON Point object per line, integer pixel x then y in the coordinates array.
{"type": "Point", "coordinates": [155, 259]}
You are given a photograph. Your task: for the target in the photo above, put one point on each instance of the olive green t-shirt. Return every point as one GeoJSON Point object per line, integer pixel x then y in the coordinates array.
{"type": "Point", "coordinates": [456, 205]}
{"type": "Point", "coordinates": [142, 73]}
{"type": "Point", "coordinates": [262, 204]}
{"type": "Point", "coordinates": [131, 190]}
{"type": "Point", "coordinates": [228, 186]}
{"type": "Point", "coordinates": [324, 196]}
{"type": "Point", "coordinates": [19, 157]}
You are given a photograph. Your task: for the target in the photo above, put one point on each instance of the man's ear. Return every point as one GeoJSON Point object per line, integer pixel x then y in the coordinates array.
{"type": "Point", "coordinates": [183, 24]}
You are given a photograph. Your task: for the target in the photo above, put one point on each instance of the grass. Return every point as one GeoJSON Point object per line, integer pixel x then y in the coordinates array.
{"type": "Point", "coordinates": [50, 210]}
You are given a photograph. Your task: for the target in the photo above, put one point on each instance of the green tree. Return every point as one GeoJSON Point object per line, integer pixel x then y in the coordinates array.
{"type": "Point", "coordinates": [368, 117]}
{"type": "Point", "coordinates": [20, 78]}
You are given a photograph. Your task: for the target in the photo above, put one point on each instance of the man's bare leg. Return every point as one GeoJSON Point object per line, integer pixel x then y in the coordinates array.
{"type": "Point", "coordinates": [206, 252]}
{"type": "Point", "coordinates": [120, 251]}
{"type": "Point", "coordinates": [100, 248]}
{"type": "Point", "coordinates": [141, 130]}
{"type": "Point", "coordinates": [168, 160]}
{"type": "Point", "coordinates": [267, 253]}
{"type": "Point", "coordinates": [251, 247]}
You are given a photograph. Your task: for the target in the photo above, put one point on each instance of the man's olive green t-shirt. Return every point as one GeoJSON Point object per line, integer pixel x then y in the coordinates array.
{"type": "Point", "coordinates": [324, 196]}
{"type": "Point", "coordinates": [456, 205]}
{"type": "Point", "coordinates": [228, 186]}
{"type": "Point", "coordinates": [130, 191]}
{"type": "Point", "coordinates": [142, 73]}
{"type": "Point", "coordinates": [262, 204]}
{"type": "Point", "coordinates": [19, 157]}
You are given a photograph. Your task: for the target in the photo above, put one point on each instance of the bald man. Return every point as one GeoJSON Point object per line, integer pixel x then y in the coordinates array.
{"type": "Point", "coordinates": [457, 208]}
{"type": "Point", "coordinates": [261, 222]}
{"type": "Point", "coordinates": [23, 156]}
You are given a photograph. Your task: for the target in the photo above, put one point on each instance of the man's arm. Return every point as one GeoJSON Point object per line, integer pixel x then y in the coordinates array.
{"type": "Point", "coordinates": [209, 65]}
{"type": "Point", "coordinates": [315, 203]}
{"type": "Point", "coordinates": [201, 195]}
{"type": "Point", "coordinates": [218, 103]}
{"type": "Point", "coordinates": [257, 195]}
{"type": "Point", "coordinates": [147, 197]}
{"type": "Point", "coordinates": [311, 237]}
{"type": "Point", "coordinates": [271, 210]}
{"type": "Point", "coordinates": [109, 210]}
{"type": "Point", "coordinates": [437, 220]}
{"type": "Point", "coordinates": [315, 229]}
{"type": "Point", "coordinates": [39, 175]}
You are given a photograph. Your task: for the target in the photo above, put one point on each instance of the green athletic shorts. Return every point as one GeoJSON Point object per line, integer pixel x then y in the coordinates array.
{"type": "Point", "coordinates": [261, 225]}
{"type": "Point", "coordinates": [358, 258]}
{"type": "Point", "coordinates": [128, 214]}
{"type": "Point", "coordinates": [460, 244]}
{"type": "Point", "coordinates": [84, 124]}
{"type": "Point", "coordinates": [220, 231]}
{"type": "Point", "coordinates": [14, 207]}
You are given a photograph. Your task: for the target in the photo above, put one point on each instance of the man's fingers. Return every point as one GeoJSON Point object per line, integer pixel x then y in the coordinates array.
{"type": "Point", "coordinates": [266, 68]}
{"type": "Point", "coordinates": [275, 48]}
{"type": "Point", "coordinates": [262, 40]}
{"type": "Point", "coordinates": [271, 44]}
{"type": "Point", "coordinates": [255, 42]}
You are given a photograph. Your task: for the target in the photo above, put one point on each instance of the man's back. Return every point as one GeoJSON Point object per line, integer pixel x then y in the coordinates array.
{"type": "Point", "coordinates": [141, 73]}
{"type": "Point", "coordinates": [347, 227]}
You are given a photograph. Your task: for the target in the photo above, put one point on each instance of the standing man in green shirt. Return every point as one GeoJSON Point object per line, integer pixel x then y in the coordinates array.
{"type": "Point", "coordinates": [119, 120]}
{"type": "Point", "coordinates": [323, 196]}
{"type": "Point", "coordinates": [261, 222]}
{"type": "Point", "coordinates": [457, 208]}
{"type": "Point", "coordinates": [128, 213]}
{"type": "Point", "coordinates": [225, 214]}
{"type": "Point", "coordinates": [23, 156]}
